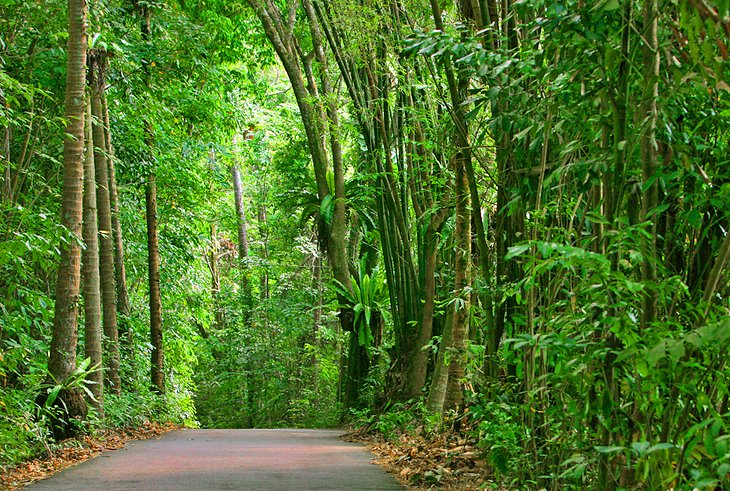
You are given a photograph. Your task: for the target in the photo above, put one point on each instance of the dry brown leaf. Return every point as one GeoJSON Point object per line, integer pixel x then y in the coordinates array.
{"type": "Point", "coordinates": [79, 449]}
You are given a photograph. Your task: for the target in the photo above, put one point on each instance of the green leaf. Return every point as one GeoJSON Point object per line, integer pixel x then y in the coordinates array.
{"type": "Point", "coordinates": [657, 353]}
{"type": "Point", "coordinates": [502, 67]}
{"type": "Point", "coordinates": [609, 449]}
{"type": "Point", "coordinates": [52, 396]}
{"type": "Point", "coordinates": [640, 448]}
{"type": "Point", "coordinates": [327, 208]}
{"type": "Point", "coordinates": [517, 250]}
{"type": "Point", "coordinates": [660, 446]}
{"type": "Point", "coordinates": [522, 134]}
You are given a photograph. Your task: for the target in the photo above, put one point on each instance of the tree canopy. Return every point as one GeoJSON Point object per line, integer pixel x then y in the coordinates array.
{"type": "Point", "coordinates": [509, 219]}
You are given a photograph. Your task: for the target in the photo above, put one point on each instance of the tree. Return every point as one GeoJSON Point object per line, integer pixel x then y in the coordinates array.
{"type": "Point", "coordinates": [97, 74]}
{"type": "Point", "coordinates": [90, 269]}
{"type": "Point", "coordinates": [318, 107]}
{"type": "Point", "coordinates": [120, 272]}
{"type": "Point", "coordinates": [242, 235]}
{"type": "Point", "coordinates": [62, 359]}
{"type": "Point", "coordinates": [157, 374]}
{"type": "Point", "coordinates": [406, 169]}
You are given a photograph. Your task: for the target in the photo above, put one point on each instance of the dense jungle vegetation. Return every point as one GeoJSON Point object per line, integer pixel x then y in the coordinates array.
{"type": "Point", "coordinates": [506, 215]}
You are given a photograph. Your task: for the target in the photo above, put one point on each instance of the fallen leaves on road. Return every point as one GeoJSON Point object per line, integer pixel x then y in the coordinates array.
{"type": "Point", "coordinates": [77, 450]}
{"type": "Point", "coordinates": [446, 461]}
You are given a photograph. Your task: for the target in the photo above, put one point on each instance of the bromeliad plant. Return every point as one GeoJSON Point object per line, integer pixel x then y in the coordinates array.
{"type": "Point", "coordinates": [369, 300]}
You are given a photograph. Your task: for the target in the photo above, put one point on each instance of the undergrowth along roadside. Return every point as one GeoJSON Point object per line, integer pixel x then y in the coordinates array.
{"type": "Point", "coordinates": [76, 450]}
{"type": "Point", "coordinates": [425, 451]}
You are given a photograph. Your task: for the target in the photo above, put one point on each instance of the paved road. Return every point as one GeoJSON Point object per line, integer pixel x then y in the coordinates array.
{"type": "Point", "coordinates": [229, 459]}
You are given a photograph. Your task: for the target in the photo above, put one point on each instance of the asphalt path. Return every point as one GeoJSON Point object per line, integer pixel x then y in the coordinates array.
{"type": "Point", "coordinates": [229, 459]}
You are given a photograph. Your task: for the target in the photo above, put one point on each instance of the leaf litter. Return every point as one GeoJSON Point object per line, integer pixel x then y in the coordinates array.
{"type": "Point", "coordinates": [447, 460]}
{"type": "Point", "coordinates": [73, 451]}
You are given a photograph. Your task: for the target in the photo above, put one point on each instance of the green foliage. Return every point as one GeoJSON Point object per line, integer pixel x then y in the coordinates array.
{"type": "Point", "coordinates": [22, 436]}
{"type": "Point", "coordinates": [585, 391]}
{"type": "Point", "coordinates": [369, 295]}
{"type": "Point", "coordinates": [499, 435]}
{"type": "Point", "coordinates": [133, 409]}
{"type": "Point", "coordinates": [400, 418]}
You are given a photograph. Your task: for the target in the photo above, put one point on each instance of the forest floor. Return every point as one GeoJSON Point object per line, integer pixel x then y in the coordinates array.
{"type": "Point", "coordinates": [447, 461]}
{"type": "Point", "coordinates": [76, 450]}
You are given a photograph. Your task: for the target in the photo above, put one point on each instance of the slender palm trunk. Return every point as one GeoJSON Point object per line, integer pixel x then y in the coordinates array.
{"type": "Point", "coordinates": [157, 362]}
{"type": "Point", "coordinates": [106, 246]}
{"type": "Point", "coordinates": [90, 270]}
{"type": "Point", "coordinates": [153, 261]}
{"type": "Point", "coordinates": [62, 358]}
{"type": "Point", "coordinates": [120, 273]}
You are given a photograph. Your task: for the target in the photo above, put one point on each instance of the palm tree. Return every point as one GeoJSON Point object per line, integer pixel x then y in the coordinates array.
{"type": "Point", "coordinates": [62, 360]}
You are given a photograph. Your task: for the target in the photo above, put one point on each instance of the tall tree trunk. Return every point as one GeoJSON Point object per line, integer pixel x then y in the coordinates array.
{"type": "Point", "coordinates": [315, 102]}
{"type": "Point", "coordinates": [462, 255]}
{"type": "Point", "coordinates": [90, 271]}
{"type": "Point", "coordinates": [242, 239]}
{"type": "Point", "coordinates": [264, 233]}
{"type": "Point", "coordinates": [415, 377]}
{"type": "Point", "coordinates": [462, 234]}
{"type": "Point", "coordinates": [215, 279]}
{"type": "Point", "coordinates": [97, 64]}
{"type": "Point", "coordinates": [318, 295]}
{"type": "Point", "coordinates": [62, 358]}
{"type": "Point", "coordinates": [649, 158]}
{"type": "Point", "coordinates": [157, 374]}
{"type": "Point", "coordinates": [318, 109]}
{"type": "Point", "coordinates": [120, 274]}
{"type": "Point", "coordinates": [440, 380]}
{"type": "Point", "coordinates": [153, 260]}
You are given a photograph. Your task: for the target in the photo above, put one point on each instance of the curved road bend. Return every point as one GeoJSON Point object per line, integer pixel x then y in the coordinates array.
{"type": "Point", "coordinates": [229, 459]}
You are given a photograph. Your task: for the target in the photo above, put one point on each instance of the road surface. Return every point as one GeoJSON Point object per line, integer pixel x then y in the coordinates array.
{"type": "Point", "coordinates": [229, 459]}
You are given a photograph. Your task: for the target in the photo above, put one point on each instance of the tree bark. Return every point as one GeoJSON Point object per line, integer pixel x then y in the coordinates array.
{"type": "Point", "coordinates": [90, 271]}
{"type": "Point", "coordinates": [462, 233]}
{"type": "Point", "coordinates": [157, 360]}
{"type": "Point", "coordinates": [97, 63]}
{"type": "Point", "coordinates": [440, 380]}
{"type": "Point", "coordinates": [120, 273]}
{"type": "Point", "coordinates": [153, 261]}
{"type": "Point", "coordinates": [62, 358]}
{"type": "Point", "coordinates": [242, 239]}
{"type": "Point", "coordinates": [462, 255]}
